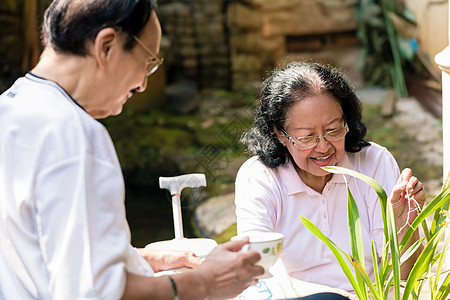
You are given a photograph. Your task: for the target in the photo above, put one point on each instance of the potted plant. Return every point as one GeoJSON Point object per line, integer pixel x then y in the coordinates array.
{"type": "Point", "coordinates": [387, 270]}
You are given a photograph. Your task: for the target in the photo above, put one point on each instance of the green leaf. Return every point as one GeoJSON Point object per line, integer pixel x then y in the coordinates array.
{"type": "Point", "coordinates": [395, 252]}
{"type": "Point", "coordinates": [405, 48]}
{"type": "Point", "coordinates": [375, 268]}
{"type": "Point", "coordinates": [362, 274]}
{"type": "Point", "coordinates": [411, 250]}
{"type": "Point", "coordinates": [421, 265]}
{"type": "Point", "coordinates": [354, 223]}
{"type": "Point", "coordinates": [375, 186]}
{"type": "Point", "coordinates": [441, 259]}
{"type": "Point", "coordinates": [444, 290]}
{"type": "Point", "coordinates": [438, 217]}
{"type": "Point", "coordinates": [435, 204]}
{"type": "Point", "coordinates": [355, 237]}
{"type": "Point", "coordinates": [345, 268]}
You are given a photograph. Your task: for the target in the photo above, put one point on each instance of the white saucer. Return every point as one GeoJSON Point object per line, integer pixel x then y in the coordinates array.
{"type": "Point", "coordinates": [200, 246]}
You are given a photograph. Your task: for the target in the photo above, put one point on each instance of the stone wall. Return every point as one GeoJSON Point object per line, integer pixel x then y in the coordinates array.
{"type": "Point", "coordinates": [260, 30]}
{"type": "Point", "coordinates": [199, 49]}
{"type": "Point", "coordinates": [222, 44]}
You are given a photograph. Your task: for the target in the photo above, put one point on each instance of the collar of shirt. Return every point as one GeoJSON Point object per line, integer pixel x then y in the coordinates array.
{"type": "Point", "coordinates": [294, 184]}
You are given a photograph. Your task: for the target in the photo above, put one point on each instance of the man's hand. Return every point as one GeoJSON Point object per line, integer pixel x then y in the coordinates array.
{"type": "Point", "coordinates": [226, 272]}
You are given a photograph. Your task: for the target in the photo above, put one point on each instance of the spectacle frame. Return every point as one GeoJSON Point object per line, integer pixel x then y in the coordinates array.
{"type": "Point", "coordinates": [310, 141]}
{"type": "Point", "coordinates": [156, 63]}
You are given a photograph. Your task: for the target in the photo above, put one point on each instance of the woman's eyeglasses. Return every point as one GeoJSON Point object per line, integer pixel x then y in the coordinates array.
{"type": "Point", "coordinates": [310, 141]}
{"type": "Point", "coordinates": [156, 62]}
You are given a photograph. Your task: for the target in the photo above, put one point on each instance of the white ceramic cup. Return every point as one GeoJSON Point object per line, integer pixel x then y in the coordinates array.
{"type": "Point", "coordinates": [268, 244]}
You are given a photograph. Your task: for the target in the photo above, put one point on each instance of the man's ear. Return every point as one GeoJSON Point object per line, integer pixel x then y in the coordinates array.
{"type": "Point", "coordinates": [281, 137]}
{"type": "Point", "coordinates": [105, 41]}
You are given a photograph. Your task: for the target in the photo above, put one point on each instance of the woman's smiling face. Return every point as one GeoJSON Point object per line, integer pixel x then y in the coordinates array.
{"type": "Point", "coordinates": [314, 115]}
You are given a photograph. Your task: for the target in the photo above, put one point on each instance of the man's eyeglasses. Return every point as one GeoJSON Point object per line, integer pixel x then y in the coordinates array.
{"type": "Point", "coordinates": [156, 62]}
{"type": "Point", "coordinates": [310, 141]}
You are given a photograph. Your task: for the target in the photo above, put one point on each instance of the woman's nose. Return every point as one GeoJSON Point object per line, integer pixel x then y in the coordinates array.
{"type": "Point", "coordinates": [322, 145]}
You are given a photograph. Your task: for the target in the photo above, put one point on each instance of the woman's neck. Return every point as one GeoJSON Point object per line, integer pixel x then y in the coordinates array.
{"type": "Point", "coordinates": [317, 183]}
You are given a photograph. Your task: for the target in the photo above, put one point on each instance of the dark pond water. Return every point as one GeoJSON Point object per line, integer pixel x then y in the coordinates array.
{"type": "Point", "coordinates": [149, 215]}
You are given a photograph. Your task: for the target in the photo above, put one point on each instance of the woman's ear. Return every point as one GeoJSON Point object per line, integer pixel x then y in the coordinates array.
{"type": "Point", "coordinates": [281, 136]}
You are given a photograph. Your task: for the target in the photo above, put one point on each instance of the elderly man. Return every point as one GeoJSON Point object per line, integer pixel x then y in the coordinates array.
{"type": "Point", "coordinates": [62, 216]}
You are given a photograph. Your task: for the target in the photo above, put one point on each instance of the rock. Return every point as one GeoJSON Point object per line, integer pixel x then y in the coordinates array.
{"type": "Point", "coordinates": [215, 215]}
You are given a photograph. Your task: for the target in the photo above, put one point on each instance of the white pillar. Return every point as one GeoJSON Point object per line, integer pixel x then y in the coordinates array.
{"type": "Point", "coordinates": [443, 60]}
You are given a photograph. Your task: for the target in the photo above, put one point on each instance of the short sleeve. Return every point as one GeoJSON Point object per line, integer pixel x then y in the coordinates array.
{"type": "Point", "coordinates": [255, 198]}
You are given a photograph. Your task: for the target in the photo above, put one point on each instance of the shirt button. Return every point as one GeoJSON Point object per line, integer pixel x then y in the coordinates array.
{"type": "Point", "coordinates": [324, 215]}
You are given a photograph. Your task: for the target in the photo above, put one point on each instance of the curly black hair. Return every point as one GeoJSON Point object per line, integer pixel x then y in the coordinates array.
{"type": "Point", "coordinates": [290, 84]}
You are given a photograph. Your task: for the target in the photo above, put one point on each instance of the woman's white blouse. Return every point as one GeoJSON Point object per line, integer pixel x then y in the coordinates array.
{"type": "Point", "coordinates": [273, 199]}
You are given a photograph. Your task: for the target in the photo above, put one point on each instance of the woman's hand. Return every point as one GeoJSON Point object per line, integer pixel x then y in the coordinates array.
{"type": "Point", "coordinates": [407, 199]}
{"type": "Point", "coordinates": [161, 260]}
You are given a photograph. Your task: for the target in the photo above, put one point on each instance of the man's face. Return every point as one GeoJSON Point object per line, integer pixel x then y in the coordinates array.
{"type": "Point", "coordinates": [128, 72]}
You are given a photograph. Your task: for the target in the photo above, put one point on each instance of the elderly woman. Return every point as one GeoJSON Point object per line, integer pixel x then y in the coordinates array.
{"type": "Point", "coordinates": [309, 117]}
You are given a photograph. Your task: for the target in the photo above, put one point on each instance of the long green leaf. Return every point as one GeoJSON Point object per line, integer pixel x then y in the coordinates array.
{"type": "Point", "coordinates": [385, 266]}
{"type": "Point", "coordinates": [362, 273]}
{"type": "Point", "coordinates": [438, 217]}
{"type": "Point", "coordinates": [435, 204]}
{"type": "Point", "coordinates": [344, 266]}
{"type": "Point", "coordinates": [395, 252]}
{"type": "Point", "coordinates": [355, 229]}
{"type": "Point", "coordinates": [398, 77]}
{"type": "Point", "coordinates": [411, 250]}
{"type": "Point", "coordinates": [375, 268]}
{"type": "Point", "coordinates": [373, 184]}
{"type": "Point", "coordinates": [441, 259]}
{"type": "Point", "coordinates": [421, 265]}
{"type": "Point", "coordinates": [444, 290]}
{"type": "Point", "coordinates": [355, 237]}
{"type": "Point", "coordinates": [384, 271]}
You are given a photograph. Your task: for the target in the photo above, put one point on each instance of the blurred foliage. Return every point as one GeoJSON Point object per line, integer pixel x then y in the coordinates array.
{"type": "Point", "coordinates": [388, 51]}
{"type": "Point", "coordinates": [391, 136]}
{"type": "Point", "coordinates": [162, 143]}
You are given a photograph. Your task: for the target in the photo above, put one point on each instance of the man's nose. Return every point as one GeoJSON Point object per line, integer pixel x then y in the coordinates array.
{"type": "Point", "coordinates": [143, 86]}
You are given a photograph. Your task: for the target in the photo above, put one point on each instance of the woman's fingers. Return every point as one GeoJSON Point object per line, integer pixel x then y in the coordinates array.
{"type": "Point", "coordinates": [405, 175]}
